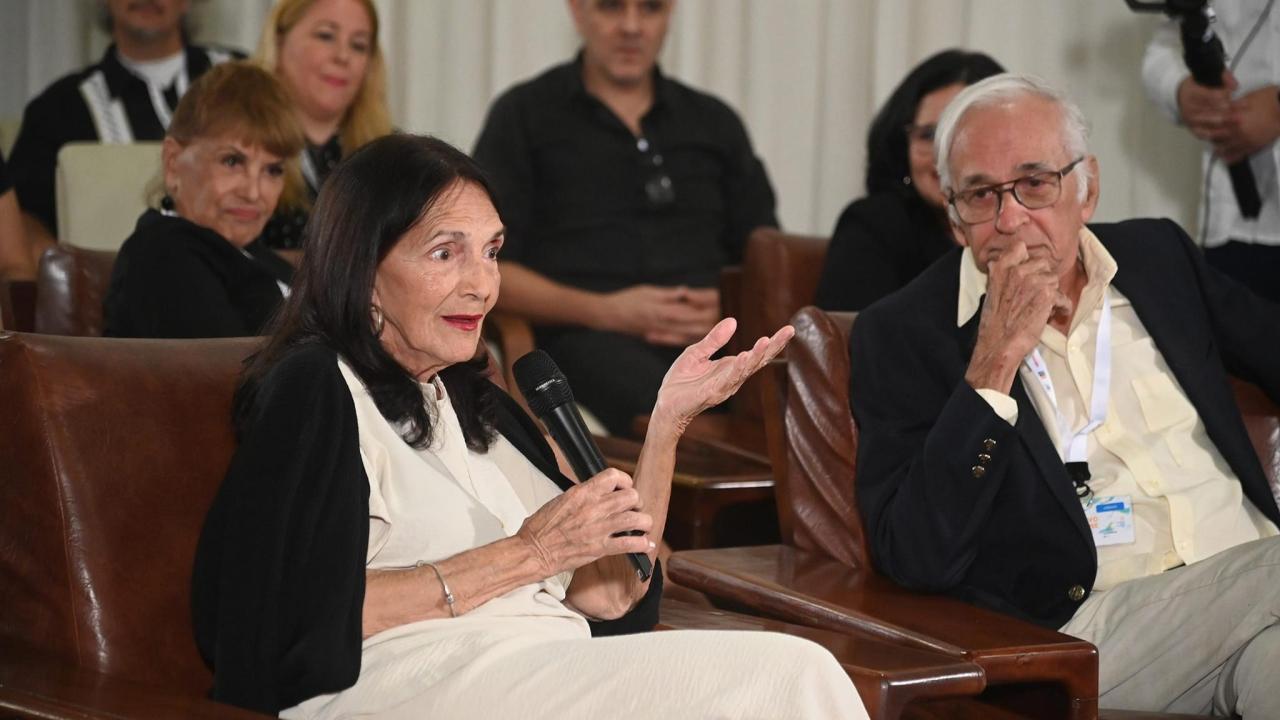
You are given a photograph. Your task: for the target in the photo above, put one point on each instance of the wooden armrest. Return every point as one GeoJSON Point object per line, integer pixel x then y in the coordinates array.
{"type": "Point", "coordinates": [888, 676]}
{"type": "Point", "coordinates": [814, 590]}
{"type": "Point", "coordinates": [719, 497]}
{"type": "Point", "coordinates": [717, 434]}
{"type": "Point", "coordinates": [33, 686]}
{"type": "Point", "coordinates": [698, 463]}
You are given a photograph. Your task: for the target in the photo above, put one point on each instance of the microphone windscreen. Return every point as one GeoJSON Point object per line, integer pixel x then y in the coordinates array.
{"type": "Point", "coordinates": [540, 381]}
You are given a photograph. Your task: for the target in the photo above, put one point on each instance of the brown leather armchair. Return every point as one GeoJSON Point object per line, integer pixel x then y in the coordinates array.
{"type": "Point", "coordinates": [72, 283]}
{"type": "Point", "coordinates": [821, 574]}
{"type": "Point", "coordinates": [110, 453]}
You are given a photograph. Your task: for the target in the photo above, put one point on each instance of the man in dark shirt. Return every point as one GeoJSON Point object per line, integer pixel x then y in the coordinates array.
{"type": "Point", "coordinates": [624, 193]}
{"type": "Point", "coordinates": [128, 96]}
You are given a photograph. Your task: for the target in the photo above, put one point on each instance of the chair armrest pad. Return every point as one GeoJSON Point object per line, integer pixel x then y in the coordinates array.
{"type": "Point", "coordinates": [810, 589]}
{"type": "Point", "coordinates": [888, 676]}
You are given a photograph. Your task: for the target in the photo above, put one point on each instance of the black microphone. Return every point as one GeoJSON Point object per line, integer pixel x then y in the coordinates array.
{"type": "Point", "coordinates": [547, 391]}
{"type": "Point", "coordinates": [1206, 59]}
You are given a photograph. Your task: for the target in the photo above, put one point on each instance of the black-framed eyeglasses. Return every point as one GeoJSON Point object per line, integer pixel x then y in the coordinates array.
{"type": "Point", "coordinates": [922, 133]}
{"type": "Point", "coordinates": [1034, 191]}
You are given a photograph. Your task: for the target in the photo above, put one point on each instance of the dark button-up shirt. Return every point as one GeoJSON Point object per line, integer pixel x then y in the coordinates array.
{"type": "Point", "coordinates": [102, 103]}
{"type": "Point", "coordinates": [591, 205]}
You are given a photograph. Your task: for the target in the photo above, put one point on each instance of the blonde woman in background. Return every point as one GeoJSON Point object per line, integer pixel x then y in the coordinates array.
{"type": "Point", "coordinates": [326, 53]}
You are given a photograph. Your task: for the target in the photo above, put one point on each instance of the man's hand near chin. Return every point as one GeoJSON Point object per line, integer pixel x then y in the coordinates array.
{"type": "Point", "coordinates": [1022, 294]}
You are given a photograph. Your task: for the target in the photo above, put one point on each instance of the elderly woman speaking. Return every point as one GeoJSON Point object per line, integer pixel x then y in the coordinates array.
{"type": "Point", "coordinates": [394, 538]}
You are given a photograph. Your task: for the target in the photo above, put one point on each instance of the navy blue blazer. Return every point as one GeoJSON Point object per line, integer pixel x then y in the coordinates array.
{"type": "Point", "coordinates": [1015, 540]}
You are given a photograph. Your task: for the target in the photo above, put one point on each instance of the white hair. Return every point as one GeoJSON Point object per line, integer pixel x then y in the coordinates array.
{"type": "Point", "coordinates": [1004, 87]}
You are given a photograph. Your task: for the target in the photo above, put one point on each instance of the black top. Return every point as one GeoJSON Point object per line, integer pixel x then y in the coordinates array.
{"type": "Point", "coordinates": [278, 585]}
{"type": "Point", "coordinates": [588, 204]}
{"type": "Point", "coordinates": [63, 113]}
{"type": "Point", "coordinates": [880, 244]}
{"type": "Point", "coordinates": [1013, 537]}
{"type": "Point", "coordinates": [284, 229]}
{"type": "Point", "coordinates": [176, 279]}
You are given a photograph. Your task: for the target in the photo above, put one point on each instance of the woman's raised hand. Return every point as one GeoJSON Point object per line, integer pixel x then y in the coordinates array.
{"type": "Point", "coordinates": [578, 527]}
{"type": "Point", "coordinates": [695, 382]}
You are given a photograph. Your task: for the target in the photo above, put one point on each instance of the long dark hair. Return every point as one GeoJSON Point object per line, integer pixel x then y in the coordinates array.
{"type": "Point", "coordinates": [887, 161]}
{"type": "Point", "coordinates": [371, 199]}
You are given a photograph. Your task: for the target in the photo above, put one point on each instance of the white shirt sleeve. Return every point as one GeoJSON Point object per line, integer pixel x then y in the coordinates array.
{"type": "Point", "coordinates": [1003, 405]}
{"type": "Point", "coordinates": [1163, 69]}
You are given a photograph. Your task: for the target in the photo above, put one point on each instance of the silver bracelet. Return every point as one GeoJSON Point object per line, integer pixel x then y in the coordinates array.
{"type": "Point", "coordinates": [448, 594]}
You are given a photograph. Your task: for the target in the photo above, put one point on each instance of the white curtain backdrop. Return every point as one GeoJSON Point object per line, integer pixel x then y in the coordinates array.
{"type": "Point", "coordinates": [806, 75]}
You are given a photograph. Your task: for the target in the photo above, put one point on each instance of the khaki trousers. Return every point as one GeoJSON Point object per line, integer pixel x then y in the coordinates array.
{"type": "Point", "coordinates": [1203, 638]}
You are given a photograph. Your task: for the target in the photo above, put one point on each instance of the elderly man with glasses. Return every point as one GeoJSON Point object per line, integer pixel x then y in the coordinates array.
{"type": "Point", "coordinates": [1046, 425]}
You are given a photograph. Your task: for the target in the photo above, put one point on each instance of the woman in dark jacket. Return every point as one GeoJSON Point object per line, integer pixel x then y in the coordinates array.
{"type": "Point", "coordinates": [885, 239]}
{"type": "Point", "coordinates": [193, 268]}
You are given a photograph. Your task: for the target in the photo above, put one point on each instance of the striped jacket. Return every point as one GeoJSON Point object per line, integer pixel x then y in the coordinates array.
{"type": "Point", "coordinates": [104, 102]}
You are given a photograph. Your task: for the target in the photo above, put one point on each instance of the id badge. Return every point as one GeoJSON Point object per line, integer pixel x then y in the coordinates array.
{"type": "Point", "coordinates": [1111, 519]}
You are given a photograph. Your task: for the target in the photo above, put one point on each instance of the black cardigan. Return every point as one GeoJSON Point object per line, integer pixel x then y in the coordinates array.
{"type": "Point", "coordinates": [176, 279]}
{"type": "Point", "coordinates": [880, 244]}
{"type": "Point", "coordinates": [278, 585]}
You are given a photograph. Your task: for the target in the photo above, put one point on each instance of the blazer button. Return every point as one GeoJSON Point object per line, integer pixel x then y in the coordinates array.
{"type": "Point", "coordinates": [988, 444]}
{"type": "Point", "coordinates": [983, 458]}
{"type": "Point", "coordinates": [1076, 593]}
{"type": "Point", "coordinates": [978, 471]}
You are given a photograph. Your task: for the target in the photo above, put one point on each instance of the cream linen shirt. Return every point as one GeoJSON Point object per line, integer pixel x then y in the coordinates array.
{"type": "Point", "coordinates": [1153, 447]}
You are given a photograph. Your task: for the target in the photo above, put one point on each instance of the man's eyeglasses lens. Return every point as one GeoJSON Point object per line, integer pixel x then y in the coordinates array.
{"type": "Point", "coordinates": [1035, 191]}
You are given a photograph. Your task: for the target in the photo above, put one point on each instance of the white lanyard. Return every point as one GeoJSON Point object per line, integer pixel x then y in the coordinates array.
{"type": "Point", "coordinates": [1075, 444]}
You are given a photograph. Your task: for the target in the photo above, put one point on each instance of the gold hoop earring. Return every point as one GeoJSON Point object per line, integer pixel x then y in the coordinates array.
{"type": "Point", "coordinates": [379, 321]}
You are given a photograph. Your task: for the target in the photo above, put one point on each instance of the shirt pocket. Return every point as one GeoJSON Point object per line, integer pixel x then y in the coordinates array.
{"type": "Point", "coordinates": [1163, 403]}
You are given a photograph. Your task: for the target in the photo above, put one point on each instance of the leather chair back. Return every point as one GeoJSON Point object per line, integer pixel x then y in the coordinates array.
{"type": "Point", "coordinates": [816, 502]}
{"type": "Point", "coordinates": [71, 286]}
{"type": "Point", "coordinates": [1262, 421]}
{"type": "Point", "coordinates": [111, 451]}
{"type": "Point", "coordinates": [780, 274]}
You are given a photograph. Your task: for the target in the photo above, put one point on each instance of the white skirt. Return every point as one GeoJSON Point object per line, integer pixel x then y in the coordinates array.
{"type": "Point", "coordinates": [531, 668]}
